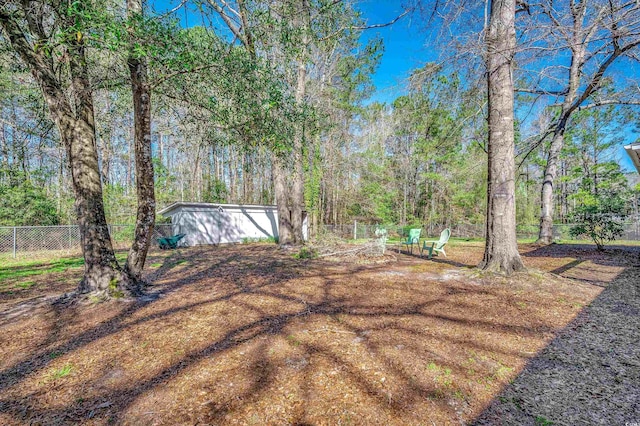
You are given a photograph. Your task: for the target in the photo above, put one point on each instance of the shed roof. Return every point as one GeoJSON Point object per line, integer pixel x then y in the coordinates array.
{"type": "Point", "coordinates": [634, 152]}
{"type": "Point", "coordinates": [212, 206]}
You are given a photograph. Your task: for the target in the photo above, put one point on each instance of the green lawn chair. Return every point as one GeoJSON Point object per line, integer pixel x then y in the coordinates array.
{"type": "Point", "coordinates": [435, 247]}
{"type": "Point", "coordinates": [413, 238]}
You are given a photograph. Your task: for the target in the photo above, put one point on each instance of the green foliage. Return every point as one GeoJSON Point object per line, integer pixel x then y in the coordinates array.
{"type": "Point", "coordinates": [599, 217]}
{"type": "Point", "coordinates": [120, 204]}
{"type": "Point", "coordinates": [416, 165]}
{"type": "Point", "coordinates": [306, 253]}
{"type": "Point", "coordinates": [601, 192]}
{"type": "Point", "coordinates": [26, 205]}
{"type": "Point", "coordinates": [216, 191]}
{"type": "Point", "coordinates": [601, 204]}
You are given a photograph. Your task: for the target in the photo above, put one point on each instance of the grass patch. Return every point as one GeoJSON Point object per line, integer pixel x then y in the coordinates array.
{"type": "Point", "coordinates": [180, 262]}
{"type": "Point", "coordinates": [541, 421]}
{"type": "Point", "coordinates": [31, 268]}
{"type": "Point", "coordinates": [25, 285]}
{"type": "Point", "coordinates": [250, 240]}
{"type": "Point", "coordinates": [63, 371]}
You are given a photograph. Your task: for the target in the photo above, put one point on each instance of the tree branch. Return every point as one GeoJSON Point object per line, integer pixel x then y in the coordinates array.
{"type": "Point", "coordinates": [542, 91]}
{"type": "Point", "coordinates": [607, 102]}
{"type": "Point", "coordinates": [365, 27]}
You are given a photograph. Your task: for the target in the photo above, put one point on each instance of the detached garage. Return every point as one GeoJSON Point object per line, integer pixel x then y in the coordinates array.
{"type": "Point", "coordinates": [207, 223]}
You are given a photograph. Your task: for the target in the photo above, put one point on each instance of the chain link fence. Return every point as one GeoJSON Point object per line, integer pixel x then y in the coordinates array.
{"type": "Point", "coordinates": [47, 241]}
{"type": "Point", "coordinates": [38, 241]}
{"type": "Point", "coordinates": [356, 231]}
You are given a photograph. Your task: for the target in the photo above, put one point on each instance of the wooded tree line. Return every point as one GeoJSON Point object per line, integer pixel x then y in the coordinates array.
{"type": "Point", "coordinates": [112, 110]}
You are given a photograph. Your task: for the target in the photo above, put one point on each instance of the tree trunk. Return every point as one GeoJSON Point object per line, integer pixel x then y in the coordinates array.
{"type": "Point", "coordinates": [105, 146]}
{"type": "Point", "coordinates": [569, 105]}
{"type": "Point", "coordinates": [130, 143]}
{"type": "Point", "coordinates": [102, 275]}
{"type": "Point", "coordinates": [105, 157]}
{"type": "Point", "coordinates": [545, 235]}
{"type": "Point", "coordinates": [501, 248]}
{"type": "Point", "coordinates": [297, 189]}
{"type": "Point", "coordinates": [146, 213]}
{"type": "Point", "coordinates": [285, 230]}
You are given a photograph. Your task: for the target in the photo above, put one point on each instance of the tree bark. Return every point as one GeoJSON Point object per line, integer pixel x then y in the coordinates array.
{"type": "Point", "coordinates": [146, 212]}
{"type": "Point", "coordinates": [102, 275]}
{"type": "Point", "coordinates": [106, 159]}
{"type": "Point", "coordinates": [501, 248]}
{"type": "Point", "coordinates": [545, 235]}
{"type": "Point", "coordinates": [105, 146]}
{"type": "Point", "coordinates": [285, 230]}
{"type": "Point", "coordinates": [586, 46]}
{"type": "Point", "coordinates": [297, 188]}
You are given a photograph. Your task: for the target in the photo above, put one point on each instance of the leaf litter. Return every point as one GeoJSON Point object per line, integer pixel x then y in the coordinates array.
{"type": "Point", "coordinates": [247, 334]}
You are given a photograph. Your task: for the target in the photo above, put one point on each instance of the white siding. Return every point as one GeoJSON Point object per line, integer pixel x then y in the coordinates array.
{"type": "Point", "coordinates": [212, 224]}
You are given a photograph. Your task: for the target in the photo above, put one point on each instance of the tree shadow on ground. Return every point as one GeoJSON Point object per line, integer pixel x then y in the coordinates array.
{"type": "Point", "coordinates": [401, 353]}
{"type": "Point", "coordinates": [436, 259]}
{"type": "Point", "coordinates": [381, 337]}
{"type": "Point", "coordinates": [590, 373]}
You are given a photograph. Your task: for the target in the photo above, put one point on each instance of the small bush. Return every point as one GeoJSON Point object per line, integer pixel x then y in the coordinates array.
{"type": "Point", "coordinates": [600, 228]}
{"type": "Point", "coordinates": [306, 253]}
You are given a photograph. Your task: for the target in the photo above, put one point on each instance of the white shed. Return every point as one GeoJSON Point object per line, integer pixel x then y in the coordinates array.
{"type": "Point", "coordinates": [207, 223]}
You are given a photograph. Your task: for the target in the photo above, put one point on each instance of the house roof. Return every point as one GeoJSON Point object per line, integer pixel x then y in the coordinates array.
{"type": "Point", "coordinates": [179, 204]}
{"type": "Point", "coordinates": [634, 152]}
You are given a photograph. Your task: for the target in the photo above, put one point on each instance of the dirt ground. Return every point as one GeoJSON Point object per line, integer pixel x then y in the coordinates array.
{"type": "Point", "coordinates": [247, 334]}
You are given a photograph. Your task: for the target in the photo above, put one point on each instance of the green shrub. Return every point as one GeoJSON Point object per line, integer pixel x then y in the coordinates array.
{"type": "Point", "coordinates": [26, 205]}
{"type": "Point", "coordinates": [599, 217]}
{"type": "Point", "coordinates": [306, 253]}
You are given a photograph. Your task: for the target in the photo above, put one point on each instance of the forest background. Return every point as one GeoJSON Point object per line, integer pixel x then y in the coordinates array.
{"type": "Point", "coordinates": [391, 122]}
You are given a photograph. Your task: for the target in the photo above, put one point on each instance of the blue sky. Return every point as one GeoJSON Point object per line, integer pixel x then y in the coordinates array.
{"type": "Point", "coordinates": [405, 50]}
{"type": "Point", "coordinates": [404, 46]}
{"type": "Point", "coordinates": [403, 41]}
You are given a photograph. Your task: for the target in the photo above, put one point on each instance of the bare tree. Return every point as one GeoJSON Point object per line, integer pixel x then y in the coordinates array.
{"type": "Point", "coordinates": [595, 35]}
{"type": "Point", "coordinates": [501, 248]}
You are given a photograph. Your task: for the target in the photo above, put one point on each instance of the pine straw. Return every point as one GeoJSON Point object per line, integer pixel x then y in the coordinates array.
{"type": "Point", "coordinates": [334, 248]}
{"type": "Point", "coordinates": [249, 335]}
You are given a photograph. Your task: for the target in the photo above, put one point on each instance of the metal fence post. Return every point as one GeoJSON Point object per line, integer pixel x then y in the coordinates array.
{"type": "Point", "coordinates": [15, 242]}
{"type": "Point", "coordinates": [355, 229]}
